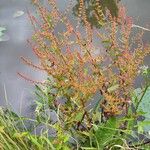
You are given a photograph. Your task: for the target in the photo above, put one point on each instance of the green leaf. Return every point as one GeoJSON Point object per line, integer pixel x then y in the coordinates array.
{"type": "Point", "coordinates": [106, 131]}
{"type": "Point", "coordinates": [49, 142]}
{"type": "Point", "coordinates": [66, 138]}
{"type": "Point", "coordinates": [20, 135]}
{"type": "Point", "coordinates": [142, 125]}
{"type": "Point", "coordinates": [144, 104]}
{"type": "Point", "coordinates": [79, 116]}
{"type": "Point", "coordinates": [35, 141]}
{"type": "Point", "coordinates": [140, 129]}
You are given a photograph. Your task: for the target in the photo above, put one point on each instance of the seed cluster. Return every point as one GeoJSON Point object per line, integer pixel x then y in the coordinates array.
{"type": "Point", "coordinates": [68, 57]}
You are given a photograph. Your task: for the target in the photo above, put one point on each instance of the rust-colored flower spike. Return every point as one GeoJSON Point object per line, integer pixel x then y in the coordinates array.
{"type": "Point", "coordinates": [124, 60]}
{"type": "Point", "coordinates": [99, 12]}
{"type": "Point", "coordinates": [68, 58]}
{"type": "Point", "coordinates": [83, 16]}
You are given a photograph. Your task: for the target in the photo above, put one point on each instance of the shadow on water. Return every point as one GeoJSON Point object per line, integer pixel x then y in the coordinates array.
{"type": "Point", "coordinates": [15, 90]}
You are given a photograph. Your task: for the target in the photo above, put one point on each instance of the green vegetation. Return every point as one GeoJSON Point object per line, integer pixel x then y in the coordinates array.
{"type": "Point", "coordinates": [67, 114]}
{"type": "Point", "coordinates": [116, 133]}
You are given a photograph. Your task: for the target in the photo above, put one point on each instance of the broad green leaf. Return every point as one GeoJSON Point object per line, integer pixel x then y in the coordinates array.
{"type": "Point", "coordinates": [144, 105]}
{"type": "Point", "coordinates": [106, 131]}
{"type": "Point", "coordinates": [142, 125]}
{"type": "Point", "coordinates": [66, 138]}
{"type": "Point", "coordinates": [140, 129]}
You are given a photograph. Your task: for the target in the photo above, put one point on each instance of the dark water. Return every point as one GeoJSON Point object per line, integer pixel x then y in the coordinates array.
{"type": "Point", "coordinates": [14, 89]}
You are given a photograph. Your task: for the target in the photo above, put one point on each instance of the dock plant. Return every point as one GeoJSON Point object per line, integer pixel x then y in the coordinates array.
{"type": "Point", "coordinates": [88, 98]}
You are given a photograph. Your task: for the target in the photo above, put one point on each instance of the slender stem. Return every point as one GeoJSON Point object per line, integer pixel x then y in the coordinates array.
{"type": "Point", "coordinates": [79, 123]}
{"type": "Point", "coordinates": [137, 106]}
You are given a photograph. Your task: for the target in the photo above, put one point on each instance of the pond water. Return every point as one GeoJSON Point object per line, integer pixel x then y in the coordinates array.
{"type": "Point", "coordinates": [13, 89]}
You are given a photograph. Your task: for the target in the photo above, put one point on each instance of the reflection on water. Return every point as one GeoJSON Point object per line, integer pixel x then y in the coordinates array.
{"type": "Point", "coordinates": [14, 89]}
